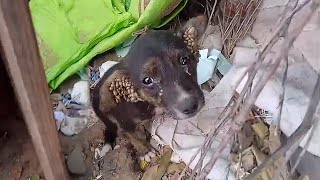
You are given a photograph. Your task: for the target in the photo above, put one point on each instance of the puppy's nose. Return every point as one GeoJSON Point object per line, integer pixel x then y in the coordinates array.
{"type": "Point", "coordinates": [190, 105]}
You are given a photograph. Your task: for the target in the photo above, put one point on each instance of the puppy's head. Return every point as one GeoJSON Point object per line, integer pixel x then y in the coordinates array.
{"type": "Point", "coordinates": [163, 71]}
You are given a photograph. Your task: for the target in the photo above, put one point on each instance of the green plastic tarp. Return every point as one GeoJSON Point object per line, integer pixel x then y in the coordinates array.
{"type": "Point", "coordinates": [71, 32]}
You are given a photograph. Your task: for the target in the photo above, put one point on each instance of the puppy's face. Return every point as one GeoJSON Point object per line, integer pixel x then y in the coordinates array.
{"type": "Point", "coordinates": [163, 71]}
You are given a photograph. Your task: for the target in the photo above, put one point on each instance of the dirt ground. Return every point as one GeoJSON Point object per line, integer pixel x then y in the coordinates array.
{"type": "Point", "coordinates": [18, 159]}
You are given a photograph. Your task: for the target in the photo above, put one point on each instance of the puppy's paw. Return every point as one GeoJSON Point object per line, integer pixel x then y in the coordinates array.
{"type": "Point", "coordinates": [146, 159]}
{"type": "Point", "coordinates": [148, 156]}
{"type": "Point", "coordinates": [141, 148]}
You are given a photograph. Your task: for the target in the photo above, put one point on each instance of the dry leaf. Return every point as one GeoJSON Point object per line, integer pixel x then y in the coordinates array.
{"type": "Point", "coordinates": [175, 168]}
{"type": "Point", "coordinates": [151, 173]}
{"type": "Point", "coordinates": [164, 163]}
{"type": "Point", "coordinates": [260, 129]}
{"type": "Point", "coordinates": [260, 157]}
{"type": "Point", "coordinates": [248, 161]}
{"type": "Point", "coordinates": [280, 167]}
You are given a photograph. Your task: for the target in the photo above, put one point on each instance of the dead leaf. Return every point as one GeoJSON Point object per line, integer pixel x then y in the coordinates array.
{"type": "Point", "coordinates": [175, 168]}
{"type": "Point", "coordinates": [260, 157]}
{"type": "Point", "coordinates": [248, 161]}
{"type": "Point", "coordinates": [280, 166]}
{"type": "Point", "coordinates": [164, 163]}
{"type": "Point", "coordinates": [260, 129]}
{"type": "Point", "coordinates": [151, 173]}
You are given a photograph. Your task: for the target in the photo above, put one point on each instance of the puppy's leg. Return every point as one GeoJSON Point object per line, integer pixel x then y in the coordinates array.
{"type": "Point", "coordinates": [111, 132]}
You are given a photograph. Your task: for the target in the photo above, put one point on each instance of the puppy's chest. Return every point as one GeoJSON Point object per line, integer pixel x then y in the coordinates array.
{"type": "Point", "coordinates": [138, 111]}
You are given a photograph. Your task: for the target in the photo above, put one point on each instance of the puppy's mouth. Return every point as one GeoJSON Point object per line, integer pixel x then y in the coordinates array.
{"type": "Point", "coordinates": [179, 115]}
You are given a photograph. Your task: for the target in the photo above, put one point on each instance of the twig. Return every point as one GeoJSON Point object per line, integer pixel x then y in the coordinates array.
{"type": "Point", "coordinates": [208, 141]}
{"type": "Point", "coordinates": [209, 21]}
{"type": "Point", "coordinates": [241, 117]}
{"type": "Point", "coordinates": [306, 124]}
{"type": "Point", "coordinates": [314, 127]}
{"type": "Point", "coordinates": [290, 6]}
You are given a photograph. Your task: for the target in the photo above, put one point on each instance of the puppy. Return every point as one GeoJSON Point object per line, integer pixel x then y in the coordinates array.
{"type": "Point", "coordinates": [157, 75]}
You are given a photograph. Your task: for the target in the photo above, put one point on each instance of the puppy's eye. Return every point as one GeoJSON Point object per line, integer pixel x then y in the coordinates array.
{"type": "Point", "coordinates": [148, 81]}
{"type": "Point", "coordinates": [184, 60]}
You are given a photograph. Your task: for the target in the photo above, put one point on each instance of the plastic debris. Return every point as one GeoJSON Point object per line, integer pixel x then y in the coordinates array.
{"type": "Point", "coordinates": [209, 62]}
{"type": "Point", "coordinates": [100, 153]}
{"type": "Point", "coordinates": [73, 125]}
{"type": "Point", "coordinates": [59, 117]}
{"type": "Point", "coordinates": [81, 93]}
{"type": "Point", "coordinates": [123, 50]}
{"type": "Point", "coordinates": [106, 66]}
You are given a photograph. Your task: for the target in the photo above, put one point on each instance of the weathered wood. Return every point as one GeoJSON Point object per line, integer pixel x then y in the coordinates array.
{"type": "Point", "coordinates": [25, 68]}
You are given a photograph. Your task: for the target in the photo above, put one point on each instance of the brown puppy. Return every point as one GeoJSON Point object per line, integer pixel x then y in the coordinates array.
{"type": "Point", "coordinates": [159, 73]}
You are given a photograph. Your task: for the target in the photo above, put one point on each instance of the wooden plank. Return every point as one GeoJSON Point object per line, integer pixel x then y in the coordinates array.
{"type": "Point", "coordinates": [25, 68]}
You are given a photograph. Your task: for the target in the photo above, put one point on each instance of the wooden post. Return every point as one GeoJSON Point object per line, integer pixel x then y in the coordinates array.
{"type": "Point", "coordinates": [23, 63]}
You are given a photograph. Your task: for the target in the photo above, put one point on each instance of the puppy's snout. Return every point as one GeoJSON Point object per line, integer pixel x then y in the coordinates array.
{"type": "Point", "coordinates": [189, 105]}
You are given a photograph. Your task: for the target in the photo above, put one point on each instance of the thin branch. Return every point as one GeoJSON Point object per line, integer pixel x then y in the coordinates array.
{"type": "Point", "coordinates": [306, 146]}
{"type": "Point", "coordinates": [241, 117]}
{"type": "Point", "coordinates": [307, 123]}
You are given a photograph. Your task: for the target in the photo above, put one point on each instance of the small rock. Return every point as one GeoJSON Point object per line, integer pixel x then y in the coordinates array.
{"type": "Point", "coordinates": [76, 162]}
{"type": "Point", "coordinates": [73, 125]}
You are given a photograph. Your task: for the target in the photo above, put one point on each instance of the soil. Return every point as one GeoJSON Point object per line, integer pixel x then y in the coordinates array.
{"type": "Point", "coordinates": [18, 159]}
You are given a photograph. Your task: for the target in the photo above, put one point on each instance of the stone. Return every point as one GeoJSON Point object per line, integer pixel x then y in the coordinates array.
{"type": "Point", "coordinates": [76, 162]}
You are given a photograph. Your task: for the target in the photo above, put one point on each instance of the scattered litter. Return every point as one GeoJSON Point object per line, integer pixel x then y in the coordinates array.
{"type": "Point", "coordinates": [123, 50]}
{"type": "Point", "coordinates": [100, 153]}
{"type": "Point", "coordinates": [81, 93]}
{"type": "Point", "coordinates": [59, 117]}
{"type": "Point", "coordinates": [83, 74]}
{"type": "Point", "coordinates": [105, 67]}
{"type": "Point", "coordinates": [73, 125]}
{"type": "Point", "coordinates": [209, 62]}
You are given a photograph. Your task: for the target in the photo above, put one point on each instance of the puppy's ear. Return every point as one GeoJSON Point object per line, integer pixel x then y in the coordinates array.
{"type": "Point", "coordinates": [192, 30]}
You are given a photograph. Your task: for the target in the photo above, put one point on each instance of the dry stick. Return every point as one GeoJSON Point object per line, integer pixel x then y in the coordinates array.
{"type": "Point", "coordinates": [314, 127]}
{"type": "Point", "coordinates": [306, 124]}
{"type": "Point", "coordinates": [209, 21]}
{"type": "Point", "coordinates": [290, 6]}
{"type": "Point", "coordinates": [241, 118]}
{"type": "Point", "coordinates": [208, 141]}
{"type": "Point", "coordinates": [249, 23]}
{"type": "Point", "coordinates": [260, 55]}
